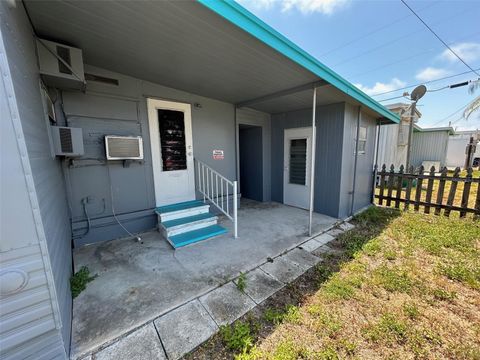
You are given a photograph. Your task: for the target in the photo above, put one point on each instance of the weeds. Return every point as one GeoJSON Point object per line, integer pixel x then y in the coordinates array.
{"type": "Point", "coordinates": [242, 282]}
{"type": "Point", "coordinates": [79, 281]}
{"type": "Point", "coordinates": [237, 337]}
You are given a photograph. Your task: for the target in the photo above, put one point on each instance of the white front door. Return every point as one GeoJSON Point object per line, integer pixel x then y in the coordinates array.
{"type": "Point", "coordinates": [296, 160]}
{"type": "Point", "coordinates": [170, 125]}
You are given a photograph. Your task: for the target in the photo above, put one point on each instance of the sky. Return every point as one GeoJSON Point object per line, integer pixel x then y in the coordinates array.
{"type": "Point", "coordinates": [381, 46]}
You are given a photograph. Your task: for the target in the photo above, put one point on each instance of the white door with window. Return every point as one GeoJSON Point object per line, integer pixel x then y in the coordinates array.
{"type": "Point", "coordinates": [170, 125]}
{"type": "Point", "coordinates": [297, 156]}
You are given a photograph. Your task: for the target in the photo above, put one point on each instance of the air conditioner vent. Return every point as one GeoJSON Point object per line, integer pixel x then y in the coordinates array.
{"type": "Point", "coordinates": [124, 147]}
{"type": "Point", "coordinates": [66, 140]}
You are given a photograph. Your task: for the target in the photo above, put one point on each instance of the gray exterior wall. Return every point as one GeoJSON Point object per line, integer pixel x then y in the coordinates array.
{"type": "Point", "coordinates": [334, 159]}
{"type": "Point", "coordinates": [330, 123]}
{"type": "Point", "coordinates": [429, 146]}
{"type": "Point", "coordinates": [247, 116]}
{"type": "Point", "coordinates": [365, 163]}
{"type": "Point", "coordinates": [35, 232]}
{"type": "Point", "coordinates": [122, 110]}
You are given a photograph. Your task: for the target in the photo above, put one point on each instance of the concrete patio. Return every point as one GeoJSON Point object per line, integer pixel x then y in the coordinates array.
{"type": "Point", "coordinates": [138, 283]}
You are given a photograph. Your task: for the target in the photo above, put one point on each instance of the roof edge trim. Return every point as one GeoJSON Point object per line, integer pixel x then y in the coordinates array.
{"type": "Point", "coordinates": [248, 22]}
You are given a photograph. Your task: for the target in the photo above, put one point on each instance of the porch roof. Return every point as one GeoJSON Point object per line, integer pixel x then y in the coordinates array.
{"type": "Point", "coordinates": [212, 48]}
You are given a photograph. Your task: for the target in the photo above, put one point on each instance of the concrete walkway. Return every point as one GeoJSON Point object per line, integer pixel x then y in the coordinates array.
{"type": "Point", "coordinates": [151, 297]}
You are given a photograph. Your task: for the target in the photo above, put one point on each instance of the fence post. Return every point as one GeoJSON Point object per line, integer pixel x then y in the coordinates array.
{"type": "Point", "coordinates": [382, 184]}
{"type": "Point", "coordinates": [428, 197]}
{"type": "Point", "coordinates": [391, 177]}
{"type": "Point", "coordinates": [408, 191]}
{"type": "Point", "coordinates": [441, 189]}
{"type": "Point", "coordinates": [418, 190]}
{"type": "Point", "coordinates": [398, 195]}
{"type": "Point", "coordinates": [453, 189]}
{"type": "Point", "coordinates": [466, 191]}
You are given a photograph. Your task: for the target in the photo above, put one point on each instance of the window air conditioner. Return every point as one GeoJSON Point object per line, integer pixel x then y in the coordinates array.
{"type": "Point", "coordinates": [67, 141]}
{"type": "Point", "coordinates": [124, 147]}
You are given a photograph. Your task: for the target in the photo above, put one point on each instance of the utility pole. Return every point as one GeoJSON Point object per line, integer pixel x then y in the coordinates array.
{"type": "Point", "coordinates": [416, 95]}
{"type": "Point", "coordinates": [469, 151]}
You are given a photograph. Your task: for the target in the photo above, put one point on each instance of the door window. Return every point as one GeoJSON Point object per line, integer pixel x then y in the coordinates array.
{"type": "Point", "coordinates": [172, 139]}
{"type": "Point", "coordinates": [298, 161]}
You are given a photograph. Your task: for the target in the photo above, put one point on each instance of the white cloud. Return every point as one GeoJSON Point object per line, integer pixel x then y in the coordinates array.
{"type": "Point", "coordinates": [468, 51]}
{"type": "Point", "coordinates": [431, 73]}
{"type": "Point", "coordinates": [380, 87]}
{"type": "Point", "coordinates": [326, 7]}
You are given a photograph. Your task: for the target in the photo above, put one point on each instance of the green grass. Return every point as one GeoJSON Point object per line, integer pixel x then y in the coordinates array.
{"type": "Point", "coordinates": [79, 281]}
{"type": "Point", "coordinates": [404, 285]}
{"type": "Point", "coordinates": [241, 282]}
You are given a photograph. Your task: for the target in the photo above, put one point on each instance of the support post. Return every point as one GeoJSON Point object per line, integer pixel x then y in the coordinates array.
{"type": "Point", "coordinates": [312, 163]}
{"type": "Point", "coordinates": [410, 134]}
{"type": "Point", "coordinates": [235, 220]}
{"type": "Point", "coordinates": [357, 139]}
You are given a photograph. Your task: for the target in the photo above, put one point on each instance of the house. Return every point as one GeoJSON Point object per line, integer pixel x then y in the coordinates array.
{"type": "Point", "coordinates": [393, 138]}
{"type": "Point", "coordinates": [106, 106]}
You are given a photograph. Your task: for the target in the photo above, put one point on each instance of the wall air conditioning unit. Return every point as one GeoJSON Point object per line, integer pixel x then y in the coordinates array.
{"type": "Point", "coordinates": [67, 141]}
{"type": "Point", "coordinates": [61, 66]}
{"type": "Point", "coordinates": [124, 147]}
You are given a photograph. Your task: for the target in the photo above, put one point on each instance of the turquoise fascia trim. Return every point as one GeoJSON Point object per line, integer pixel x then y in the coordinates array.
{"type": "Point", "coordinates": [248, 22]}
{"type": "Point", "coordinates": [196, 235]}
{"type": "Point", "coordinates": [187, 220]}
{"type": "Point", "coordinates": [179, 206]}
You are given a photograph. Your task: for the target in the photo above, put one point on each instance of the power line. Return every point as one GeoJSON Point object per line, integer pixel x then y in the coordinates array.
{"type": "Point", "coordinates": [423, 83]}
{"type": "Point", "coordinates": [449, 116]}
{"type": "Point", "coordinates": [373, 31]}
{"type": "Point", "coordinates": [392, 98]}
{"type": "Point", "coordinates": [439, 38]}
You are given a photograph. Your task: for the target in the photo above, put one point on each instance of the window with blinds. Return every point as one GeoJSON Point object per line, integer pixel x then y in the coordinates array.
{"type": "Point", "coordinates": [298, 161]}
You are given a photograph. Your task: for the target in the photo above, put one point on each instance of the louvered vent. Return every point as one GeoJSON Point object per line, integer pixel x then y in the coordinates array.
{"type": "Point", "coordinates": [66, 140]}
{"type": "Point", "coordinates": [124, 147]}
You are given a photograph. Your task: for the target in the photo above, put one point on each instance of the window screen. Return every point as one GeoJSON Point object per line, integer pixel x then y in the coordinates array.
{"type": "Point", "coordinates": [298, 161]}
{"type": "Point", "coordinates": [172, 140]}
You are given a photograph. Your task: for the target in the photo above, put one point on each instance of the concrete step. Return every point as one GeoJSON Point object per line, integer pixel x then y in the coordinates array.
{"type": "Point", "coordinates": [181, 210]}
{"type": "Point", "coordinates": [186, 224]}
{"type": "Point", "coordinates": [196, 235]}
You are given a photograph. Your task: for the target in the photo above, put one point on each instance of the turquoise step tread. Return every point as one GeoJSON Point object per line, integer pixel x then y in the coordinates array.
{"type": "Point", "coordinates": [179, 206]}
{"type": "Point", "coordinates": [186, 220]}
{"type": "Point", "coordinates": [196, 235]}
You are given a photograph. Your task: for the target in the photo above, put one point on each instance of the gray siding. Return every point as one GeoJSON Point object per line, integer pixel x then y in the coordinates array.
{"type": "Point", "coordinates": [330, 122]}
{"type": "Point", "coordinates": [364, 179]}
{"type": "Point", "coordinates": [122, 110]}
{"type": "Point", "coordinates": [429, 146]}
{"type": "Point", "coordinates": [252, 117]}
{"type": "Point", "coordinates": [35, 237]}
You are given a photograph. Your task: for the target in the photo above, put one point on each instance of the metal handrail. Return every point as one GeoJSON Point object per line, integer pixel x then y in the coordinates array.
{"type": "Point", "coordinates": [216, 188]}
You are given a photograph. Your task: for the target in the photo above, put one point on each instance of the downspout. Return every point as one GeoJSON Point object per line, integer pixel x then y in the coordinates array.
{"type": "Point", "coordinates": [312, 163]}
{"type": "Point", "coordinates": [375, 165]}
{"type": "Point", "coordinates": [356, 160]}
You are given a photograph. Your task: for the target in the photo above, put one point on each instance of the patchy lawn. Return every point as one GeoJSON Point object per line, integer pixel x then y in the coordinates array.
{"type": "Point", "coordinates": [398, 286]}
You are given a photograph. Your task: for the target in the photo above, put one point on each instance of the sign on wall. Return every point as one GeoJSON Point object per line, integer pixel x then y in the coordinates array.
{"type": "Point", "coordinates": [217, 154]}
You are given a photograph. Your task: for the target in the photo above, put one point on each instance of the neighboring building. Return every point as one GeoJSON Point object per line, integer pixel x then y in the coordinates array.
{"type": "Point", "coordinates": [393, 138]}
{"type": "Point", "coordinates": [170, 81]}
{"type": "Point", "coordinates": [457, 144]}
{"type": "Point", "coordinates": [429, 146]}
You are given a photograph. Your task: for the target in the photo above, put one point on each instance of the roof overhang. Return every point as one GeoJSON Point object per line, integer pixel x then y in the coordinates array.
{"type": "Point", "coordinates": [212, 48]}
{"type": "Point", "coordinates": [450, 130]}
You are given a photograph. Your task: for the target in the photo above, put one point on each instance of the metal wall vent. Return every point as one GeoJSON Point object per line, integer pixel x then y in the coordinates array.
{"type": "Point", "coordinates": [124, 147]}
{"type": "Point", "coordinates": [66, 140]}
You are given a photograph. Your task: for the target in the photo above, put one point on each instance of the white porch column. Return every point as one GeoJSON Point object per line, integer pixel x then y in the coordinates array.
{"type": "Point", "coordinates": [312, 164]}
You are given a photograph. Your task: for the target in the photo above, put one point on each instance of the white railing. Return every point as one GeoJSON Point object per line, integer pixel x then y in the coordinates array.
{"type": "Point", "coordinates": [218, 189]}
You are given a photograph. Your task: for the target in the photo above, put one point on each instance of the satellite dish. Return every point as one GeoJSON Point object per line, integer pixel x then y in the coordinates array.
{"type": "Point", "coordinates": [418, 93]}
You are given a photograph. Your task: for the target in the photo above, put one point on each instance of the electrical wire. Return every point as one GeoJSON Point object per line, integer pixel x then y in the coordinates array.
{"type": "Point", "coordinates": [449, 116]}
{"type": "Point", "coordinates": [393, 98]}
{"type": "Point", "coordinates": [138, 238]}
{"type": "Point", "coordinates": [422, 83]}
{"type": "Point", "coordinates": [439, 38]}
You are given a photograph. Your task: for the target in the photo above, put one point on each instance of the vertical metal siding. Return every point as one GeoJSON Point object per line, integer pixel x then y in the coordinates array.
{"type": "Point", "coordinates": [253, 117]}
{"type": "Point", "coordinates": [429, 146]}
{"type": "Point", "coordinates": [30, 314]}
{"type": "Point", "coordinates": [328, 157]}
